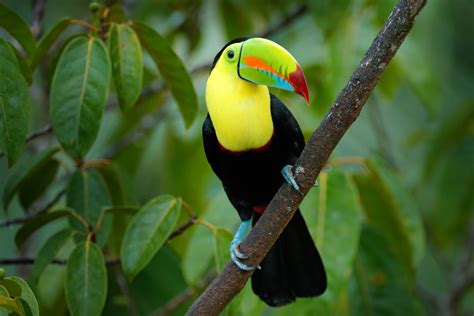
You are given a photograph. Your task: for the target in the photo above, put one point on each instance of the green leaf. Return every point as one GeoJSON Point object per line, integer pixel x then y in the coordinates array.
{"type": "Point", "coordinates": [47, 41]}
{"type": "Point", "coordinates": [49, 251]}
{"type": "Point", "coordinates": [86, 280]}
{"type": "Point", "coordinates": [172, 70]}
{"type": "Point", "coordinates": [337, 232]}
{"type": "Point", "coordinates": [21, 291]}
{"type": "Point", "coordinates": [36, 183]}
{"type": "Point", "coordinates": [222, 240]}
{"type": "Point", "coordinates": [120, 188]}
{"type": "Point", "coordinates": [25, 69]}
{"type": "Point", "coordinates": [330, 14]}
{"type": "Point", "coordinates": [15, 103]}
{"type": "Point", "coordinates": [122, 210]}
{"type": "Point", "coordinates": [79, 92]}
{"type": "Point", "coordinates": [127, 64]}
{"type": "Point", "coordinates": [450, 131]}
{"type": "Point", "coordinates": [39, 221]}
{"type": "Point", "coordinates": [17, 28]}
{"type": "Point", "coordinates": [87, 194]}
{"type": "Point", "coordinates": [147, 233]}
{"type": "Point", "coordinates": [379, 281]}
{"type": "Point", "coordinates": [199, 254]}
{"type": "Point", "coordinates": [393, 211]}
{"type": "Point", "coordinates": [333, 215]}
{"type": "Point", "coordinates": [117, 14]}
{"type": "Point", "coordinates": [27, 170]}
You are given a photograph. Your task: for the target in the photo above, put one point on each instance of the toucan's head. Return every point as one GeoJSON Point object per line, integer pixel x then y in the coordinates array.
{"type": "Point", "coordinates": [262, 62]}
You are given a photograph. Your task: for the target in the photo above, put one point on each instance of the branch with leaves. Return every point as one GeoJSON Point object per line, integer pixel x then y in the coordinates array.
{"type": "Point", "coordinates": [322, 142]}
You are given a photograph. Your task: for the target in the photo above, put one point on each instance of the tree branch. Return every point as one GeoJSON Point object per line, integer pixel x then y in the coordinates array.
{"type": "Point", "coordinates": [322, 142]}
{"type": "Point", "coordinates": [284, 22]}
{"type": "Point", "coordinates": [37, 19]}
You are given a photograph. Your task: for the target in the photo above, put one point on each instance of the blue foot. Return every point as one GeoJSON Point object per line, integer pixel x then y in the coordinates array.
{"type": "Point", "coordinates": [287, 174]}
{"type": "Point", "coordinates": [235, 253]}
{"type": "Point", "coordinates": [316, 183]}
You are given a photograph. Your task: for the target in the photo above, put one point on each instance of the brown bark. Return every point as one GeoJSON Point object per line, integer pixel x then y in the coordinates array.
{"type": "Point", "coordinates": [322, 142]}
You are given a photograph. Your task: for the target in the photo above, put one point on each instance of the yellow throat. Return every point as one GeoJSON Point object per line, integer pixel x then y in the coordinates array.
{"type": "Point", "coordinates": [240, 111]}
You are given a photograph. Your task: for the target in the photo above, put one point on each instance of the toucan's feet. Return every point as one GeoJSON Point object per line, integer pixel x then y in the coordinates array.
{"type": "Point", "coordinates": [236, 256]}
{"type": "Point", "coordinates": [287, 173]}
{"type": "Point", "coordinates": [316, 183]}
{"type": "Point", "coordinates": [235, 253]}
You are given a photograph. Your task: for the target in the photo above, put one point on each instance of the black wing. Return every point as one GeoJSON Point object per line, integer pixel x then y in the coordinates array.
{"type": "Point", "coordinates": [290, 133]}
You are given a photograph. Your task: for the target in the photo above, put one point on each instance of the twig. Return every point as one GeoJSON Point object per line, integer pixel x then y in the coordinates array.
{"type": "Point", "coordinates": [45, 130]}
{"type": "Point", "coordinates": [28, 261]}
{"type": "Point", "coordinates": [342, 114]}
{"type": "Point", "coordinates": [463, 277]}
{"type": "Point", "coordinates": [283, 23]}
{"type": "Point", "coordinates": [181, 229]}
{"type": "Point", "coordinates": [125, 289]}
{"type": "Point", "coordinates": [84, 24]}
{"type": "Point", "coordinates": [37, 19]}
{"type": "Point", "coordinates": [22, 220]}
{"type": "Point", "coordinates": [287, 20]}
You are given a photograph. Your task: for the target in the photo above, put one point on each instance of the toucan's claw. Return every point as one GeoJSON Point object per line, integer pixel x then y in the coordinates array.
{"type": "Point", "coordinates": [235, 248]}
{"type": "Point", "coordinates": [236, 255]}
{"type": "Point", "coordinates": [316, 183]}
{"type": "Point", "coordinates": [287, 173]}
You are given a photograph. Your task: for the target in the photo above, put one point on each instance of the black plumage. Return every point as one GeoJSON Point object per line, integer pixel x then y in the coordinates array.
{"type": "Point", "coordinates": [293, 267]}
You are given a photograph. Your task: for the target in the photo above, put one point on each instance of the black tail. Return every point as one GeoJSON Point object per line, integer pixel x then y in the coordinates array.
{"type": "Point", "coordinates": [292, 268]}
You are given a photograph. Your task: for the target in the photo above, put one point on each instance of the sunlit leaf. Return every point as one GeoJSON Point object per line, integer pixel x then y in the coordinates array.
{"type": "Point", "coordinates": [79, 90]}
{"type": "Point", "coordinates": [49, 251]}
{"type": "Point", "coordinates": [21, 291]}
{"type": "Point", "coordinates": [86, 280]}
{"type": "Point", "coordinates": [25, 171]}
{"type": "Point", "coordinates": [8, 305]}
{"type": "Point", "coordinates": [172, 70]}
{"type": "Point", "coordinates": [15, 103]}
{"type": "Point", "coordinates": [127, 64]}
{"type": "Point", "coordinates": [147, 232]}
{"type": "Point", "coordinates": [222, 240]}
{"type": "Point", "coordinates": [46, 41]}
{"type": "Point", "coordinates": [17, 28]}
{"type": "Point", "coordinates": [199, 254]}
{"type": "Point", "coordinates": [5, 310]}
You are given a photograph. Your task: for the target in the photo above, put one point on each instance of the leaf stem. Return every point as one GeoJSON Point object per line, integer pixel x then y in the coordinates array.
{"type": "Point", "coordinates": [84, 24]}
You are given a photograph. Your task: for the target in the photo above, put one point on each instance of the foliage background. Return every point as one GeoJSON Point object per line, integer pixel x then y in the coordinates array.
{"type": "Point", "coordinates": [393, 216]}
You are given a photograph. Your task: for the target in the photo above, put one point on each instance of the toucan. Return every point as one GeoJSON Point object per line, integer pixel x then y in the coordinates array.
{"type": "Point", "coordinates": [251, 141]}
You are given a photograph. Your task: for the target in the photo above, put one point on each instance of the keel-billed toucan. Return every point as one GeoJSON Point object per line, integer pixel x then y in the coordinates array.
{"type": "Point", "coordinates": [251, 140]}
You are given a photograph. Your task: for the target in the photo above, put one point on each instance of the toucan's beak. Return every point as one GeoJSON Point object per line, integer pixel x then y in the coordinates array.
{"type": "Point", "coordinates": [265, 62]}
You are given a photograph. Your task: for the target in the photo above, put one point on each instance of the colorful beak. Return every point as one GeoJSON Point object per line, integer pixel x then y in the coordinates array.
{"type": "Point", "coordinates": [265, 62]}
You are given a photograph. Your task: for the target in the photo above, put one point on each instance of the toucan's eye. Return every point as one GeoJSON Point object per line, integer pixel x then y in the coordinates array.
{"type": "Point", "coordinates": [230, 54]}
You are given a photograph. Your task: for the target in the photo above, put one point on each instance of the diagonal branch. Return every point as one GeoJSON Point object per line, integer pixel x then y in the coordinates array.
{"type": "Point", "coordinates": [342, 114]}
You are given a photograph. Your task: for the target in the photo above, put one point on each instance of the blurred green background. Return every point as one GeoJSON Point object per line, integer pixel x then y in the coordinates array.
{"type": "Point", "coordinates": [393, 216]}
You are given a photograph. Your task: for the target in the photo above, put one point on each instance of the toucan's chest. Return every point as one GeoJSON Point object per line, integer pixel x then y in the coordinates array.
{"type": "Point", "coordinates": [240, 111]}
